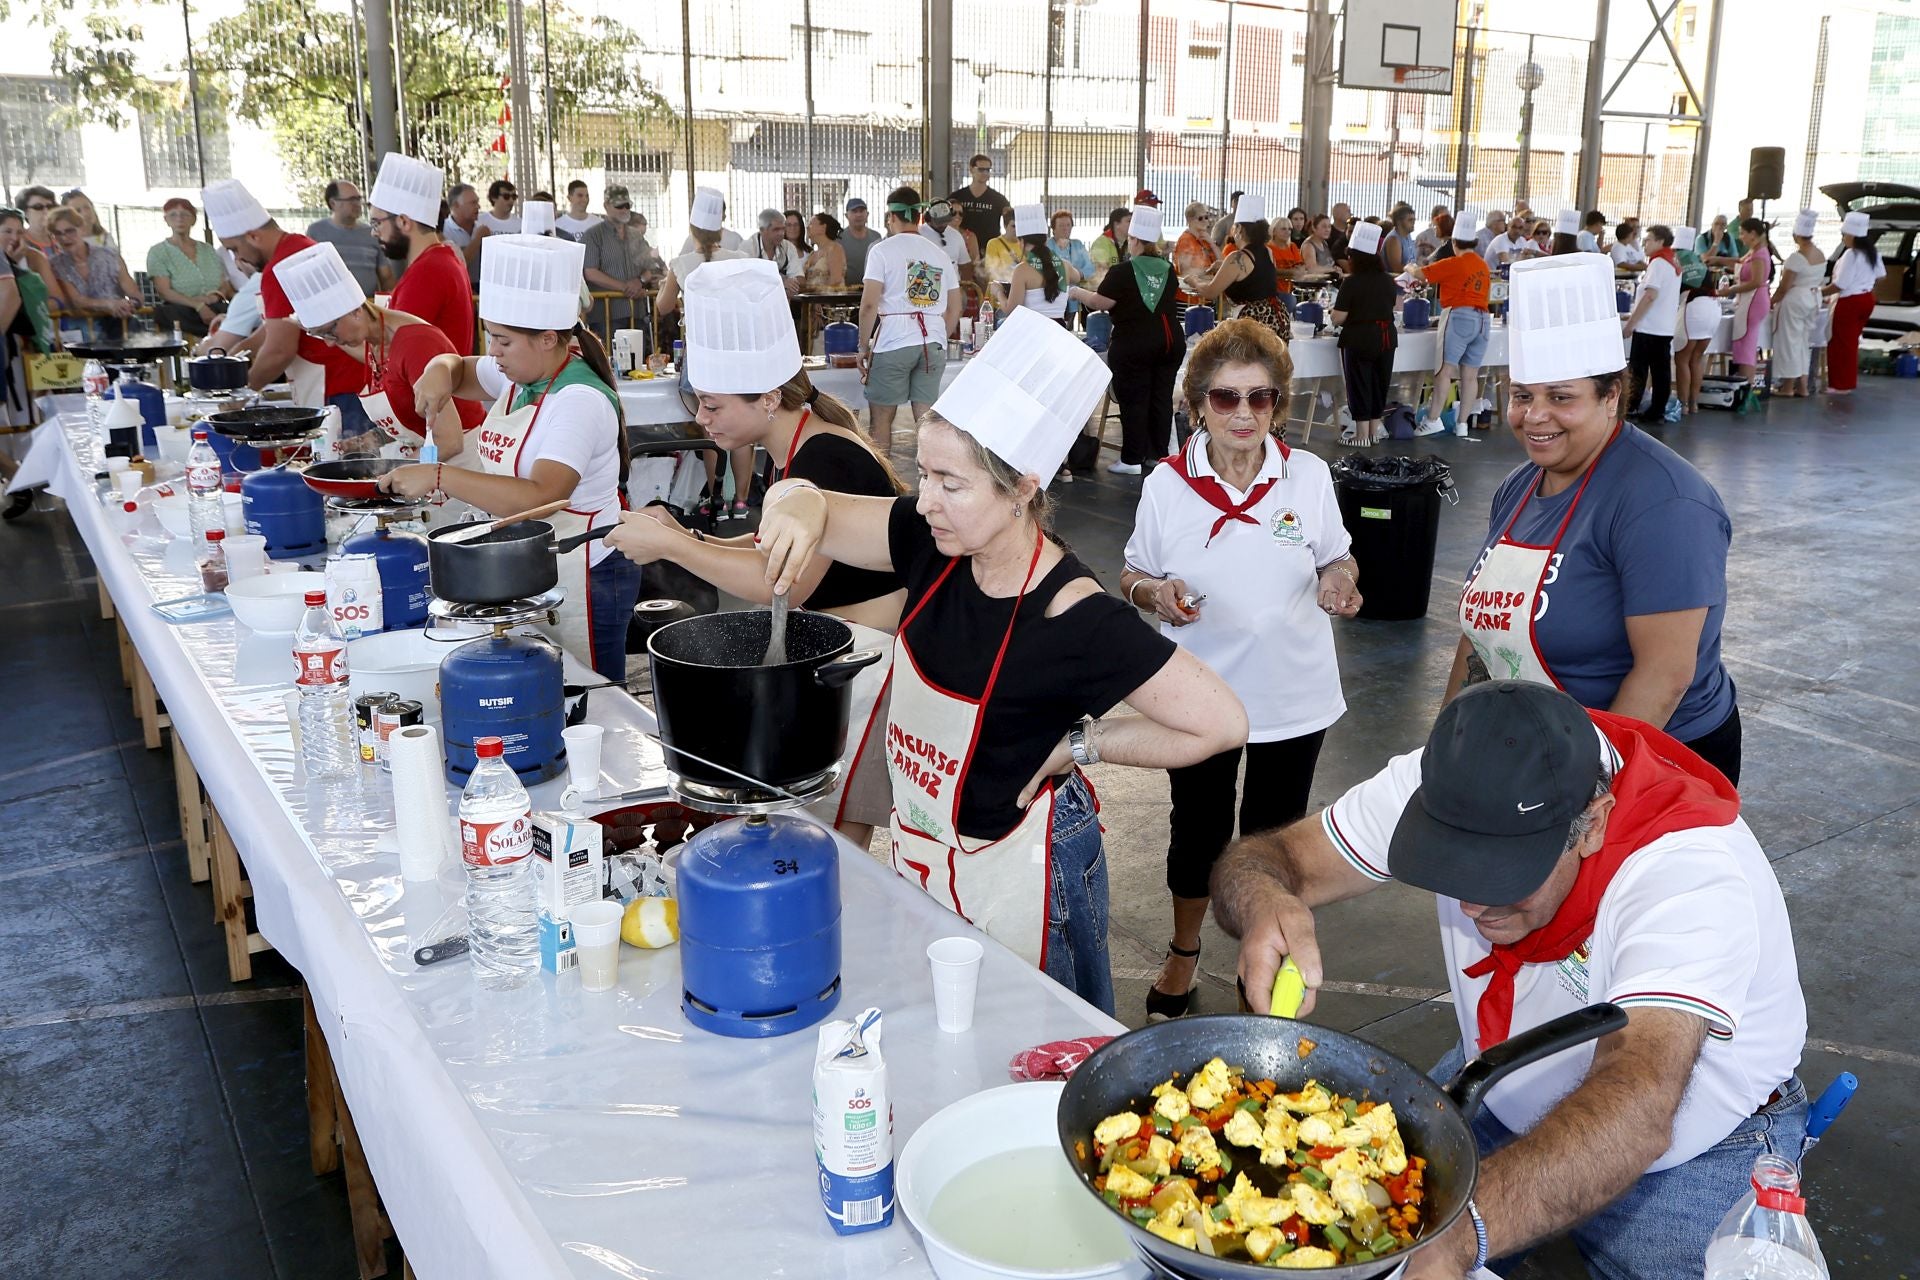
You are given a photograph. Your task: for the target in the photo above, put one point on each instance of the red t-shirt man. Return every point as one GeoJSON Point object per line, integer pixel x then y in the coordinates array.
{"type": "Point", "coordinates": [395, 369]}
{"type": "Point", "coordinates": [436, 289]}
{"type": "Point", "coordinates": [345, 376]}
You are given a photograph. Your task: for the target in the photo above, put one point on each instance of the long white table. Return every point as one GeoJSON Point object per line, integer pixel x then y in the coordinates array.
{"type": "Point", "coordinates": [656, 401]}
{"type": "Point", "coordinates": [546, 1132]}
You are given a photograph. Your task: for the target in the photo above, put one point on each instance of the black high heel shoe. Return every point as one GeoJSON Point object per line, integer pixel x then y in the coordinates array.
{"type": "Point", "coordinates": [1162, 1007]}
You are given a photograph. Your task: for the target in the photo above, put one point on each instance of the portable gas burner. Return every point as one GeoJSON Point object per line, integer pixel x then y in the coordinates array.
{"type": "Point", "coordinates": [506, 685]}
{"type": "Point", "coordinates": [399, 553]}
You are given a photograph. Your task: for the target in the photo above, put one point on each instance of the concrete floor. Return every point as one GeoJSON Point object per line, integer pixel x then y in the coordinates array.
{"type": "Point", "coordinates": [151, 1121]}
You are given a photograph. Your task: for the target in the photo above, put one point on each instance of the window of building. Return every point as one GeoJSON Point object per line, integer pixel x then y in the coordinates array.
{"type": "Point", "coordinates": [1685, 22]}
{"type": "Point", "coordinates": [642, 173]}
{"type": "Point", "coordinates": [37, 146]}
{"type": "Point", "coordinates": [1199, 86]}
{"type": "Point", "coordinates": [168, 151]}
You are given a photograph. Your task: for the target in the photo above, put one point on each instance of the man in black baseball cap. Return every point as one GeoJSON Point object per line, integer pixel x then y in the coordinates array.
{"type": "Point", "coordinates": [1578, 857]}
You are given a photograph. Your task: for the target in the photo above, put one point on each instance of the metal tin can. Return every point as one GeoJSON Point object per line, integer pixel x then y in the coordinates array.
{"type": "Point", "coordinates": [389, 718]}
{"type": "Point", "coordinates": [364, 733]}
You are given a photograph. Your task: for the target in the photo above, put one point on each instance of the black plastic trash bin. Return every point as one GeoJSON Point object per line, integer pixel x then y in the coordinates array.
{"type": "Point", "coordinates": [1391, 507]}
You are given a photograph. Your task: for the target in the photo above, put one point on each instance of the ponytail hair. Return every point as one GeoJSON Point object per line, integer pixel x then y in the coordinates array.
{"type": "Point", "coordinates": [799, 392]}
{"type": "Point", "coordinates": [706, 242]}
{"type": "Point", "coordinates": [1042, 259]}
{"type": "Point", "coordinates": [596, 357]}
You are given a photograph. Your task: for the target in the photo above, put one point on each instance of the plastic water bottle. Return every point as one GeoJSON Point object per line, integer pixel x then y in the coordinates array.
{"type": "Point", "coordinates": [206, 505]}
{"type": "Point", "coordinates": [327, 748]}
{"type": "Point", "coordinates": [983, 328]}
{"type": "Point", "coordinates": [496, 835]}
{"type": "Point", "coordinates": [1765, 1236]}
{"type": "Point", "coordinates": [93, 384]}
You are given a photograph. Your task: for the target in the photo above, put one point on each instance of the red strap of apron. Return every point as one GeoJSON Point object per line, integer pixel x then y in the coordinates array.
{"type": "Point", "coordinates": [1568, 518]}
{"type": "Point", "coordinates": [793, 445]}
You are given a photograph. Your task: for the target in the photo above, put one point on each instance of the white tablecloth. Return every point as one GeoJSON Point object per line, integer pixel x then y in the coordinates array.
{"type": "Point", "coordinates": [656, 401]}
{"type": "Point", "coordinates": [547, 1132]}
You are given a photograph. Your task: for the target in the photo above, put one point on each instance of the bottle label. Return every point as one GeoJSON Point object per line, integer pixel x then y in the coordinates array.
{"type": "Point", "coordinates": [320, 666]}
{"type": "Point", "coordinates": [203, 477]}
{"type": "Point", "coordinates": [496, 844]}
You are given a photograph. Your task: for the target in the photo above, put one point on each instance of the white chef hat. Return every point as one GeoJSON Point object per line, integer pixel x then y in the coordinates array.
{"type": "Point", "coordinates": [1567, 223]}
{"type": "Point", "coordinates": [739, 328]}
{"type": "Point", "coordinates": [1147, 225]}
{"type": "Point", "coordinates": [536, 217]}
{"type": "Point", "coordinates": [1684, 238]}
{"type": "Point", "coordinates": [318, 285]}
{"type": "Point", "coordinates": [1365, 238]}
{"type": "Point", "coordinates": [1252, 207]}
{"type": "Point", "coordinates": [1562, 320]}
{"type": "Point", "coordinates": [409, 187]}
{"type": "Point", "coordinates": [1855, 223]}
{"type": "Point", "coordinates": [709, 207]}
{"type": "Point", "coordinates": [1027, 395]}
{"type": "Point", "coordinates": [1467, 224]}
{"type": "Point", "coordinates": [531, 282]}
{"type": "Point", "coordinates": [1029, 220]}
{"type": "Point", "coordinates": [231, 209]}
{"type": "Point", "coordinates": [1804, 222]}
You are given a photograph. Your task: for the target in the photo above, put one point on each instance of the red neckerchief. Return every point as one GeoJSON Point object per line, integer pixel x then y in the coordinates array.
{"type": "Point", "coordinates": [1213, 493]}
{"type": "Point", "coordinates": [1661, 787]}
{"type": "Point", "coordinates": [1666, 255]}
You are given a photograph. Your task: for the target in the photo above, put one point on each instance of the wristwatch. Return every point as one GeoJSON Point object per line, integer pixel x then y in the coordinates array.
{"type": "Point", "coordinates": [1080, 743]}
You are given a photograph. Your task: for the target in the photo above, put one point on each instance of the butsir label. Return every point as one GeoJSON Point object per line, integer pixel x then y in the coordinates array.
{"type": "Point", "coordinates": [853, 1125]}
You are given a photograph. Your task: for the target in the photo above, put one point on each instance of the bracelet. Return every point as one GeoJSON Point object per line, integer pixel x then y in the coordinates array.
{"type": "Point", "coordinates": [436, 477]}
{"type": "Point", "coordinates": [796, 483]}
{"type": "Point", "coordinates": [1340, 566]}
{"type": "Point", "coordinates": [698, 534]}
{"type": "Point", "coordinates": [1479, 1236]}
{"type": "Point", "coordinates": [1080, 744]}
{"type": "Point", "coordinates": [1135, 587]}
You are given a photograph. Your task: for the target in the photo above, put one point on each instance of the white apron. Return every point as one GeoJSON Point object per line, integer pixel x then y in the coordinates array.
{"type": "Point", "coordinates": [933, 735]}
{"type": "Point", "coordinates": [307, 383]}
{"type": "Point", "coordinates": [498, 445]}
{"type": "Point", "coordinates": [1506, 594]}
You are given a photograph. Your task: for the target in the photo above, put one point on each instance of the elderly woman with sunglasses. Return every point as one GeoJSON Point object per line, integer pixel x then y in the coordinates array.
{"type": "Point", "coordinates": [1239, 551]}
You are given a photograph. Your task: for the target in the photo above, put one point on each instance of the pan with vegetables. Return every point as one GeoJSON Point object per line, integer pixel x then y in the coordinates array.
{"type": "Point", "coordinates": [1234, 1145]}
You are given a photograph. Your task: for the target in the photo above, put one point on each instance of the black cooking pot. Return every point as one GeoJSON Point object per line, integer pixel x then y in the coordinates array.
{"type": "Point", "coordinates": [217, 371]}
{"type": "Point", "coordinates": [514, 563]}
{"type": "Point", "coordinates": [267, 424]}
{"type": "Point", "coordinates": [716, 698]}
{"type": "Point", "coordinates": [1121, 1074]}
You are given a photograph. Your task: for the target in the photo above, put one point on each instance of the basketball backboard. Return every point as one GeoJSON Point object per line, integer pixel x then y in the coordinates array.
{"type": "Point", "coordinates": [1401, 46]}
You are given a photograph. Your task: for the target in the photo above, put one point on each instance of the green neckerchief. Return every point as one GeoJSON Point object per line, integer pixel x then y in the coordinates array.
{"type": "Point", "coordinates": [576, 373]}
{"type": "Point", "coordinates": [1151, 275]}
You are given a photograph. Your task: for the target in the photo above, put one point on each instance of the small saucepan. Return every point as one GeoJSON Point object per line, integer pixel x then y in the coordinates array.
{"type": "Point", "coordinates": [217, 371]}
{"type": "Point", "coordinates": [350, 477]}
{"type": "Point", "coordinates": [517, 562]}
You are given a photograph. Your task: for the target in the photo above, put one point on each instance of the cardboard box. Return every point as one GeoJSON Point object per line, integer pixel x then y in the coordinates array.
{"type": "Point", "coordinates": [568, 869]}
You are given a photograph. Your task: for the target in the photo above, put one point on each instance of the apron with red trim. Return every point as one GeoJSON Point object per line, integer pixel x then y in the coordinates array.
{"type": "Point", "coordinates": [933, 737]}
{"type": "Point", "coordinates": [1506, 594]}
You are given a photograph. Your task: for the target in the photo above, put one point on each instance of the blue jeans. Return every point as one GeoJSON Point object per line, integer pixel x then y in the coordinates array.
{"type": "Point", "coordinates": [614, 585]}
{"type": "Point", "coordinates": [1077, 898]}
{"type": "Point", "coordinates": [353, 419]}
{"type": "Point", "coordinates": [1466, 341]}
{"type": "Point", "coordinates": [1659, 1229]}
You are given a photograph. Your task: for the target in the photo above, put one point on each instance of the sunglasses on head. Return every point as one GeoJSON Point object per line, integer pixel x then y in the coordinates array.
{"type": "Point", "coordinates": [1226, 399]}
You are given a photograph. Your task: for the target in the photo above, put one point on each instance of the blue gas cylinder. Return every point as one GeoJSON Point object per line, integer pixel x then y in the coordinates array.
{"type": "Point", "coordinates": [509, 687]}
{"type": "Point", "coordinates": [281, 507]}
{"type": "Point", "coordinates": [1199, 319]}
{"type": "Point", "coordinates": [236, 459]}
{"type": "Point", "coordinates": [402, 560]}
{"type": "Point", "coordinates": [1099, 330]}
{"type": "Point", "coordinates": [1623, 301]}
{"type": "Point", "coordinates": [841, 338]}
{"type": "Point", "coordinates": [1416, 314]}
{"type": "Point", "coordinates": [759, 926]}
{"type": "Point", "coordinates": [1310, 313]}
{"type": "Point", "coordinates": [152, 402]}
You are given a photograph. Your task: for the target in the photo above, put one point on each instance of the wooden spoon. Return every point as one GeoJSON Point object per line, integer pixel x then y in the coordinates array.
{"type": "Point", "coordinates": [481, 529]}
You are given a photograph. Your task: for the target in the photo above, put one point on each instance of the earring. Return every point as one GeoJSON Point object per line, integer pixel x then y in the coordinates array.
{"type": "Point", "coordinates": [1016, 509]}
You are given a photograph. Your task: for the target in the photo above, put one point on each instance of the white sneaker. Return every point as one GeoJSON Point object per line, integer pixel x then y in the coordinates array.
{"type": "Point", "coordinates": [1123, 468]}
{"type": "Point", "coordinates": [1065, 476]}
{"type": "Point", "coordinates": [1461, 430]}
{"type": "Point", "coordinates": [1431, 427]}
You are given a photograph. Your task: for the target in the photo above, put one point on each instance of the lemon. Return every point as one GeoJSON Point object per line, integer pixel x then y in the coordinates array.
{"type": "Point", "coordinates": [651, 923]}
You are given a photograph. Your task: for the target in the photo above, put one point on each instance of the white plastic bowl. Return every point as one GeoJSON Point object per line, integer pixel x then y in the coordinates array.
{"type": "Point", "coordinates": [172, 512]}
{"type": "Point", "coordinates": [1014, 1117]}
{"type": "Point", "coordinates": [405, 663]}
{"type": "Point", "coordinates": [272, 603]}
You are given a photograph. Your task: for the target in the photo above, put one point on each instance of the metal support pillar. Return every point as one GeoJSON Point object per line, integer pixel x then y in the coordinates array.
{"type": "Point", "coordinates": [520, 102]}
{"type": "Point", "coordinates": [686, 84]}
{"type": "Point", "coordinates": [1703, 140]}
{"type": "Point", "coordinates": [1050, 41]}
{"type": "Point", "coordinates": [193, 98]}
{"type": "Point", "coordinates": [384, 101]}
{"type": "Point", "coordinates": [546, 104]}
{"type": "Point", "coordinates": [806, 20]}
{"type": "Point", "coordinates": [1470, 75]}
{"type": "Point", "coordinates": [1226, 105]}
{"type": "Point", "coordinates": [1316, 113]}
{"type": "Point", "coordinates": [1140, 122]}
{"type": "Point", "coordinates": [1592, 132]}
{"type": "Point", "coordinates": [399, 76]}
{"type": "Point", "coordinates": [939, 173]}
{"type": "Point", "coordinates": [356, 28]}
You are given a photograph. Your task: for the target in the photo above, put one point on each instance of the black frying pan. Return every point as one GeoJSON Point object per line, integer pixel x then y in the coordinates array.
{"type": "Point", "coordinates": [1433, 1121]}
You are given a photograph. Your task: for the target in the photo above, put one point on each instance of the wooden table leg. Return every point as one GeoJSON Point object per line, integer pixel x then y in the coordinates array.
{"type": "Point", "coordinates": [370, 1226]}
{"type": "Point", "coordinates": [322, 1149]}
{"type": "Point", "coordinates": [126, 653]}
{"type": "Point", "coordinates": [230, 894]}
{"type": "Point", "coordinates": [106, 600]}
{"type": "Point", "coordinates": [146, 705]}
{"type": "Point", "coordinates": [193, 812]}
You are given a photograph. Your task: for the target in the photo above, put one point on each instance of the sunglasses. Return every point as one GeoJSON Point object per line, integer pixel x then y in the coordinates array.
{"type": "Point", "coordinates": [1226, 399]}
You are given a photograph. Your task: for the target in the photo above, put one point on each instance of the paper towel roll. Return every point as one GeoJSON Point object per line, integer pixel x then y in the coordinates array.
{"type": "Point", "coordinates": [423, 825]}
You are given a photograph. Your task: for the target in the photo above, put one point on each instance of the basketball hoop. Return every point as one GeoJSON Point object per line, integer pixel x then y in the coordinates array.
{"type": "Point", "coordinates": [1417, 75]}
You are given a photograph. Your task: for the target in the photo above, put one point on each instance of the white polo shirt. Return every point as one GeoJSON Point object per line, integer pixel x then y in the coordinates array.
{"type": "Point", "coordinates": [1692, 921]}
{"type": "Point", "coordinates": [951, 240]}
{"type": "Point", "coordinates": [1624, 254]}
{"type": "Point", "coordinates": [1663, 313]}
{"type": "Point", "coordinates": [1261, 627]}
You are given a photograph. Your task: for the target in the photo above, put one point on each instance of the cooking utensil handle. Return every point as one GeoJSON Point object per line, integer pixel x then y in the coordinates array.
{"type": "Point", "coordinates": [564, 545]}
{"type": "Point", "coordinates": [837, 672]}
{"type": "Point", "coordinates": [1469, 1089]}
{"type": "Point", "coordinates": [533, 513]}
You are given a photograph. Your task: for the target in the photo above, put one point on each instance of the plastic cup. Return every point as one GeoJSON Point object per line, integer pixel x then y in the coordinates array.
{"type": "Point", "coordinates": [117, 464]}
{"type": "Point", "coordinates": [246, 555]}
{"type": "Point", "coordinates": [956, 978]}
{"type": "Point", "coordinates": [596, 937]}
{"type": "Point", "coordinates": [583, 743]}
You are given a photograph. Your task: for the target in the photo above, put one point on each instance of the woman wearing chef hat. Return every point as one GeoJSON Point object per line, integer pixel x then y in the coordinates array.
{"type": "Point", "coordinates": [1008, 651]}
{"type": "Point", "coordinates": [395, 348]}
{"type": "Point", "coordinates": [1604, 569]}
{"type": "Point", "coordinates": [1247, 275]}
{"type": "Point", "coordinates": [707, 238]}
{"type": "Point", "coordinates": [1041, 279]}
{"type": "Point", "coordinates": [554, 432]}
{"type": "Point", "coordinates": [1855, 270]}
{"type": "Point", "coordinates": [1148, 341]}
{"type": "Point", "coordinates": [1796, 306]}
{"type": "Point", "coordinates": [743, 366]}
